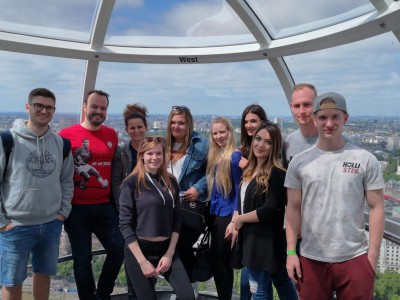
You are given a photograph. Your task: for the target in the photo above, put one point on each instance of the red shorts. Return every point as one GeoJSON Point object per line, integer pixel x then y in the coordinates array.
{"type": "Point", "coordinates": [351, 279]}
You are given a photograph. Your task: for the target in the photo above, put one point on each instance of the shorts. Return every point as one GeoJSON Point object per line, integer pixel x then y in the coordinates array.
{"type": "Point", "coordinates": [18, 243]}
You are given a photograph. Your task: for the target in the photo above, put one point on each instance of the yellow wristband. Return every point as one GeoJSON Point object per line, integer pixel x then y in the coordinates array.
{"type": "Point", "coordinates": [291, 252]}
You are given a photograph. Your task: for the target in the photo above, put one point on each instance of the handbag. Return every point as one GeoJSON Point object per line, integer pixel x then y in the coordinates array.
{"type": "Point", "coordinates": [195, 214]}
{"type": "Point", "coordinates": [202, 264]}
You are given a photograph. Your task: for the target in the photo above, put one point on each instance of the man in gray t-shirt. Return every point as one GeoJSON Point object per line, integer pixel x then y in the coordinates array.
{"type": "Point", "coordinates": [301, 105]}
{"type": "Point", "coordinates": [327, 188]}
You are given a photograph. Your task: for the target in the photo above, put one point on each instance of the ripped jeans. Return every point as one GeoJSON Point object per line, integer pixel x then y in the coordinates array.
{"type": "Point", "coordinates": [260, 281]}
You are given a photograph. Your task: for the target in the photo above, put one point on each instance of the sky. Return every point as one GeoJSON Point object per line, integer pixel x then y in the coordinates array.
{"type": "Point", "coordinates": [367, 72]}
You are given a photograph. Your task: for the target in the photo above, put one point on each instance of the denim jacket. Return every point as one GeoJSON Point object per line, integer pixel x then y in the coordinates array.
{"type": "Point", "coordinates": [194, 167]}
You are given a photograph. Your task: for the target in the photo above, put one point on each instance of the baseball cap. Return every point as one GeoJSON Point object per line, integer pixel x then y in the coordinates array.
{"type": "Point", "coordinates": [336, 101]}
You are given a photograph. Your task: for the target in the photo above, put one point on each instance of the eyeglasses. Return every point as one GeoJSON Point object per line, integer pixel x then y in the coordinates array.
{"type": "Point", "coordinates": [182, 108]}
{"type": "Point", "coordinates": [39, 107]}
{"type": "Point", "coordinates": [156, 139]}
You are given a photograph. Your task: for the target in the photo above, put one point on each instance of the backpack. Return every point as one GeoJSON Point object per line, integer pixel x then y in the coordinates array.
{"type": "Point", "coordinates": [8, 144]}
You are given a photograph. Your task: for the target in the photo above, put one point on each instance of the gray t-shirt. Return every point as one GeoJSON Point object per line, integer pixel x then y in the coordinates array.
{"type": "Point", "coordinates": [332, 207]}
{"type": "Point", "coordinates": [296, 143]}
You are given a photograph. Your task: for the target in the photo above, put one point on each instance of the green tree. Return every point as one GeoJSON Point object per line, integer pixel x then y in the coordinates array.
{"type": "Point", "coordinates": [387, 286]}
{"type": "Point", "coordinates": [390, 172]}
{"type": "Point", "coordinates": [121, 276]}
{"type": "Point", "coordinates": [65, 269]}
{"type": "Point", "coordinates": [97, 265]}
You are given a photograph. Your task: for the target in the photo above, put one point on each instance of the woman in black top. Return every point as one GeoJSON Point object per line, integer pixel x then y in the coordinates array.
{"type": "Point", "coordinates": [150, 223]}
{"type": "Point", "coordinates": [261, 216]}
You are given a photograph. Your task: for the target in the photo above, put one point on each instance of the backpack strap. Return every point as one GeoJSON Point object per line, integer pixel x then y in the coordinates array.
{"type": "Point", "coordinates": [66, 147]}
{"type": "Point", "coordinates": [8, 144]}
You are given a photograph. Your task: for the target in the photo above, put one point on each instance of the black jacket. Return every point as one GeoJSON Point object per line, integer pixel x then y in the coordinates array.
{"type": "Point", "coordinates": [264, 244]}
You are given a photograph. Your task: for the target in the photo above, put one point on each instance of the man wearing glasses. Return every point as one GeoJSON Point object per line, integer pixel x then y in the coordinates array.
{"type": "Point", "coordinates": [36, 192]}
{"type": "Point", "coordinates": [92, 211]}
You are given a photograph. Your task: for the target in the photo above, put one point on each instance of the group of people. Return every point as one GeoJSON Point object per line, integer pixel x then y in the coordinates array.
{"type": "Point", "coordinates": [289, 213]}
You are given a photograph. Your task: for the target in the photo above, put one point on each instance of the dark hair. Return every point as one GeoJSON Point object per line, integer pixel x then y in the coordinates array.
{"type": "Point", "coordinates": [274, 159]}
{"type": "Point", "coordinates": [98, 92]}
{"type": "Point", "coordinates": [245, 139]}
{"type": "Point", "coordinates": [135, 111]}
{"type": "Point", "coordinates": [41, 92]}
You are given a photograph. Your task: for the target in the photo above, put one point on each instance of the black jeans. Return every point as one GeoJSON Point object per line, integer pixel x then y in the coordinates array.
{"type": "Point", "coordinates": [176, 275]}
{"type": "Point", "coordinates": [187, 238]}
{"type": "Point", "coordinates": [220, 256]}
{"type": "Point", "coordinates": [102, 220]}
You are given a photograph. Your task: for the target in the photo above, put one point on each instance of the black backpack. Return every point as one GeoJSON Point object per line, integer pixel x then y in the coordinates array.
{"type": "Point", "coordinates": [8, 144]}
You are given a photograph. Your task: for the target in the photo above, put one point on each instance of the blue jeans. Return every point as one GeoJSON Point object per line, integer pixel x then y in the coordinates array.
{"type": "Point", "coordinates": [17, 244]}
{"type": "Point", "coordinates": [102, 220]}
{"type": "Point", "coordinates": [245, 293]}
{"type": "Point", "coordinates": [260, 282]}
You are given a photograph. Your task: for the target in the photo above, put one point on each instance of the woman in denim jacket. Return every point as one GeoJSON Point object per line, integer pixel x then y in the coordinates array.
{"type": "Point", "coordinates": [187, 153]}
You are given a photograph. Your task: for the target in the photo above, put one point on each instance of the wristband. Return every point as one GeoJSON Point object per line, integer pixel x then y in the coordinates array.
{"type": "Point", "coordinates": [291, 252]}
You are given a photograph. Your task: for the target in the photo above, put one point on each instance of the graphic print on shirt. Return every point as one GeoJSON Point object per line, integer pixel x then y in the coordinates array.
{"type": "Point", "coordinates": [42, 166]}
{"type": "Point", "coordinates": [85, 166]}
{"type": "Point", "coordinates": [351, 167]}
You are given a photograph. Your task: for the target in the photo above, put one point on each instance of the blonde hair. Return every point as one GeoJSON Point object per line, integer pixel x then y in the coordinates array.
{"type": "Point", "coordinates": [219, 163]}
{"type": "Point", "coordinates": [148, 144]}
{"type": "Point", "coordinates": [273, 160]}
{"type": "Point", "coordinates": [170, 139]}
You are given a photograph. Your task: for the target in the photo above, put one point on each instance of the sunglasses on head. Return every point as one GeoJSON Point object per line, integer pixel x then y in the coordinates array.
{"type": "Point", "coordinates": [156, 139]}
{"type": "Point", "coordinates": [182, 108]}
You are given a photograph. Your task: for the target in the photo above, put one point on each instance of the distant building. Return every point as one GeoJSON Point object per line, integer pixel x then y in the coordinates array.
{"type": "Point", "coordinates": [393, 143]}
{"type": "Point", "coordinates": [389, 256]}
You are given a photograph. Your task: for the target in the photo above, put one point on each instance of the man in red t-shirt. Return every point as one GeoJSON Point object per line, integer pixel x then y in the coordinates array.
{"type": "Point", "coordinates": [93, 147]}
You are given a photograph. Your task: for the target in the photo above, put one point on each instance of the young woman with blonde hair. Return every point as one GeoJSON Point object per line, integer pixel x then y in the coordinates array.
{"type": "Point", "coordinates": [223, 179]}
{"type": "Point", "coordinates": [150, 222]}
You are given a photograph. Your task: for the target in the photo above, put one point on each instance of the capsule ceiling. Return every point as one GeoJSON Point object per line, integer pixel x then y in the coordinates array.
{"type": "Point", "coordinates": [191, 32]}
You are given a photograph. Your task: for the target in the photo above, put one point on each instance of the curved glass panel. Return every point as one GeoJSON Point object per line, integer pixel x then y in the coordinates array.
{"type": "Point", "coordinates": [64, 20]}
{"type": "Point", "coordinates": [288, 18]}
{"type": "Point", "coordinates": [21, 73]}
{"type": "Point", "coordinates": [176, 23]}
{"type": "Point", "coordinates": [207, 89]}
{"type": "Point", "coordinates": [365, 72]}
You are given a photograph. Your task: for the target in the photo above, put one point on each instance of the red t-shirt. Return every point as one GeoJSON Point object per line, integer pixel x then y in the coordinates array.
{"type": "Point", "coordinates": [93, 152]}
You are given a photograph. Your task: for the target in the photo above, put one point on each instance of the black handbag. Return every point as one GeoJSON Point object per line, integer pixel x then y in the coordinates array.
{"type": "Point", "coordinates": [195, 214]}
{"type": "Point", "coordinates": [202, 264]}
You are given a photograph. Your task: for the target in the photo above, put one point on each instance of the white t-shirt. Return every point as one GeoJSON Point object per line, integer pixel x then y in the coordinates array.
{"type": "Point", "coordinates": [176, 167]}
{"type": "Point", "coordinates": [332, 207]}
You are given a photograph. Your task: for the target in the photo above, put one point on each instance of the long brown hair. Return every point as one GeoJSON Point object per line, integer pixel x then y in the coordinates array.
{"type": "Point", "coordinates": [179, 110]}
{"type": "Point", "coordinates": [148, 144]}
{"type": "Point", "coordinates": [245, 139]}
{"type": "Point", "coordinates": [273, 160]}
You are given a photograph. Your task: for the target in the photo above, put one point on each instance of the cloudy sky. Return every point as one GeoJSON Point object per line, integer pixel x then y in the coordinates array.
{"type": "Point", "coordinates": [367, 73]}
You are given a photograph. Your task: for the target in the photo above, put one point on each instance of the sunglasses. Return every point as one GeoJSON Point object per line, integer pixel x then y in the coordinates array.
{"type": "Point", "coordinates": [182, 108]}
{"type": "Point", "coordinates": [156, 139]}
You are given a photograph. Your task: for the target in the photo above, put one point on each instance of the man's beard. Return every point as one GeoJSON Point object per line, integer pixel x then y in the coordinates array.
{"type": "Point", "coordinates": [96, 122]}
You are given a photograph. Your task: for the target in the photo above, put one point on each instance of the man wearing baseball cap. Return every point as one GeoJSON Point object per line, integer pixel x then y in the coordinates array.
{"type": "Point", "coordinates": [328, 185]}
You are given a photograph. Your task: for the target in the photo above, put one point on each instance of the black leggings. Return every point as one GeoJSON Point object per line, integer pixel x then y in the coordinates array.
{"type": "Point", "coordinates": [176, 275]}
{"type": "Point", "coordinates": [220, 256]}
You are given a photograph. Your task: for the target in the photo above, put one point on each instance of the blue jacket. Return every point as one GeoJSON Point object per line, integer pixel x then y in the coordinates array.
{"type": "Point", "coordinates": [194, 167]}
